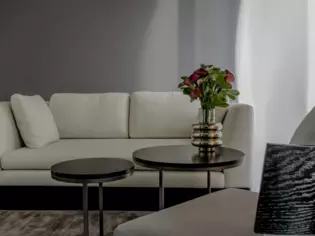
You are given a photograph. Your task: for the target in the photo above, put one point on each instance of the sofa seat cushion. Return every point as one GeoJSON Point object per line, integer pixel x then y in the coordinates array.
{"type": "Point", "coordinates": [67, 149]}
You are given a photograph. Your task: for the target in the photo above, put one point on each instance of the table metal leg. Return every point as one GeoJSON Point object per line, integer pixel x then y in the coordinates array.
{"type": "Point", "coordinates": [85, 210]}
{"type": "Point", "coordinates": [100, 203]}
{"type": "Point", "coordinates": [209, 181]}
{"type": "Point", "coordinates": [161, 190]}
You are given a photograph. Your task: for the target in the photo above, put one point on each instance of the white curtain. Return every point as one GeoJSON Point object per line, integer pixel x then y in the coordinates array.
{"type": "Point", "coordinates": [273, 66]}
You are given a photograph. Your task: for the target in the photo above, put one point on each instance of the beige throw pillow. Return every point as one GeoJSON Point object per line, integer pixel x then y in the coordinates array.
{"type": "Point", "coordinates": [34, 120]}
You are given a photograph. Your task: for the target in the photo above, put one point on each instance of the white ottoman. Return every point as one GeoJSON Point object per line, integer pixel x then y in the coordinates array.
{"type": "Point", "coordinates": [228, 212]}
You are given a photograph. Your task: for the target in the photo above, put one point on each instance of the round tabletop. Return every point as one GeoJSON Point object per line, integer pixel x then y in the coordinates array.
{"type": "Point", "coordinates": [186, 158]}
{"type": "Point", "coordinates": [92, 170]}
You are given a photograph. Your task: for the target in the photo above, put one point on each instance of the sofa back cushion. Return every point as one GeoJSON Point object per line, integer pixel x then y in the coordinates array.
{"type": "Point", "coordinates": [91, 115]}
{"type": "Point", "coordinates": [9, 135]}
{"type": "Point", "coordinates": [34, 120]}
{"type": "Point", "coordinates": [163, 115]}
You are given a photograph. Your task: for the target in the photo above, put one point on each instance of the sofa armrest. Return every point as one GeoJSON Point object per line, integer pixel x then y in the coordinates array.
{"type": "Point", "coordinates": [238, 133]}
{"type": "Point", "coordinates": [9, 135]}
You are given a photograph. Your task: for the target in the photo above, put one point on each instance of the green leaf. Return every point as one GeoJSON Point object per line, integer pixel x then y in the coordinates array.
{"type": "Point", "coordinates": [223, 105]}
{"type": "Point", "coordinates": [219, 77]}
{"type": "Point", "coordinates": [181, 85]}
{"type": "Point", "coordinates": [184, 77]}
{"type": "Point", "coordinates": [231, 97]}
{"type": "Point", "coordinates": [187, 90]}
{"type": "Point", "coordinates": [223, 99]}
{"type": "Point", "coordinates": [223, 85]}
{"type": "Point", "coordinates": [205, 88]}
{"type": "Point", "coordinates": [203, 66]}
{"type": "Point", "coordinates": [234, 92]}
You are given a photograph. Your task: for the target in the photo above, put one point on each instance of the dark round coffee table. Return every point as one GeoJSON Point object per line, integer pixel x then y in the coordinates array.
{"type": "Point", "coordinates": [92, 170]}
{"type": "Point", "coordinates": [185, 158]}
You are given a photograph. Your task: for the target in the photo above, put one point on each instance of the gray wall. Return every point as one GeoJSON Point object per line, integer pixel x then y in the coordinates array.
{"type": "Point", "coordinates": [49, 46]}
{"type": "Point", "coordinates": [215, 32]}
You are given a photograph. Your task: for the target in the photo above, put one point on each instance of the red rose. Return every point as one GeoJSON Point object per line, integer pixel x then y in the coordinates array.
{"type": "Point", "coordinates": [198, 91]}
{"type": "Point", "coordinates": [202, 72]}
{"type": "Point", "coordinates": [229, 76]}
{"type": "Point", "coordinates": [195, 93]}
{"type": "Point", "coordinates": [187, 82]}
{"type": "Point", "coordinates": [194, 77]}
{"type": "Point", "coordinates": [198, 74]}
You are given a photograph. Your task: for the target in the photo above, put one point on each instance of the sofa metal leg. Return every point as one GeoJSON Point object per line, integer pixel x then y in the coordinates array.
{"type": "Point", "coordinates": [209, 181]}
{"type": "Point", "coordinates": [161, 190]}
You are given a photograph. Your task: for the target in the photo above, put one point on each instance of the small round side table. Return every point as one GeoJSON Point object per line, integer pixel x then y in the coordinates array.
{"type": "Point", "coordinates": [185, 158]}
{"type": "Point", "coordinates": [92, 170]}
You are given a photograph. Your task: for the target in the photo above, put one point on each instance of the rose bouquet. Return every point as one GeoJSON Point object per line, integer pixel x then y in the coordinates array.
{"type": "Point", "coordinates": [211, 85]}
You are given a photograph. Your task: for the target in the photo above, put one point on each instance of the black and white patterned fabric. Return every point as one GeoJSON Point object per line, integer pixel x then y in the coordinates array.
{"type": "Point", "coordinates": [287, 193]}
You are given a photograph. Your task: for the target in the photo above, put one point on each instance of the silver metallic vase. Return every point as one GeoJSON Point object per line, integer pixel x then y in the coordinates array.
{"type": "Point", "coordinates": [206, 133]}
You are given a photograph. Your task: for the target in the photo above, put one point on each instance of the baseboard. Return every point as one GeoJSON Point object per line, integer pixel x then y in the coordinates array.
{"type": "Point", "coordinates": [70, 198]}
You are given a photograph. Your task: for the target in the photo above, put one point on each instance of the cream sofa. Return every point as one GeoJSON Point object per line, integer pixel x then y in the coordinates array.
{"type": "Point", "coordinates": [115, 127]}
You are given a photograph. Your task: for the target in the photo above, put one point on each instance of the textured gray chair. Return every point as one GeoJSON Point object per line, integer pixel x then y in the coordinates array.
{"type": "Point", "coordinates": [305, 133]}
{"type": "Point", "coordinates": [287, 193]}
